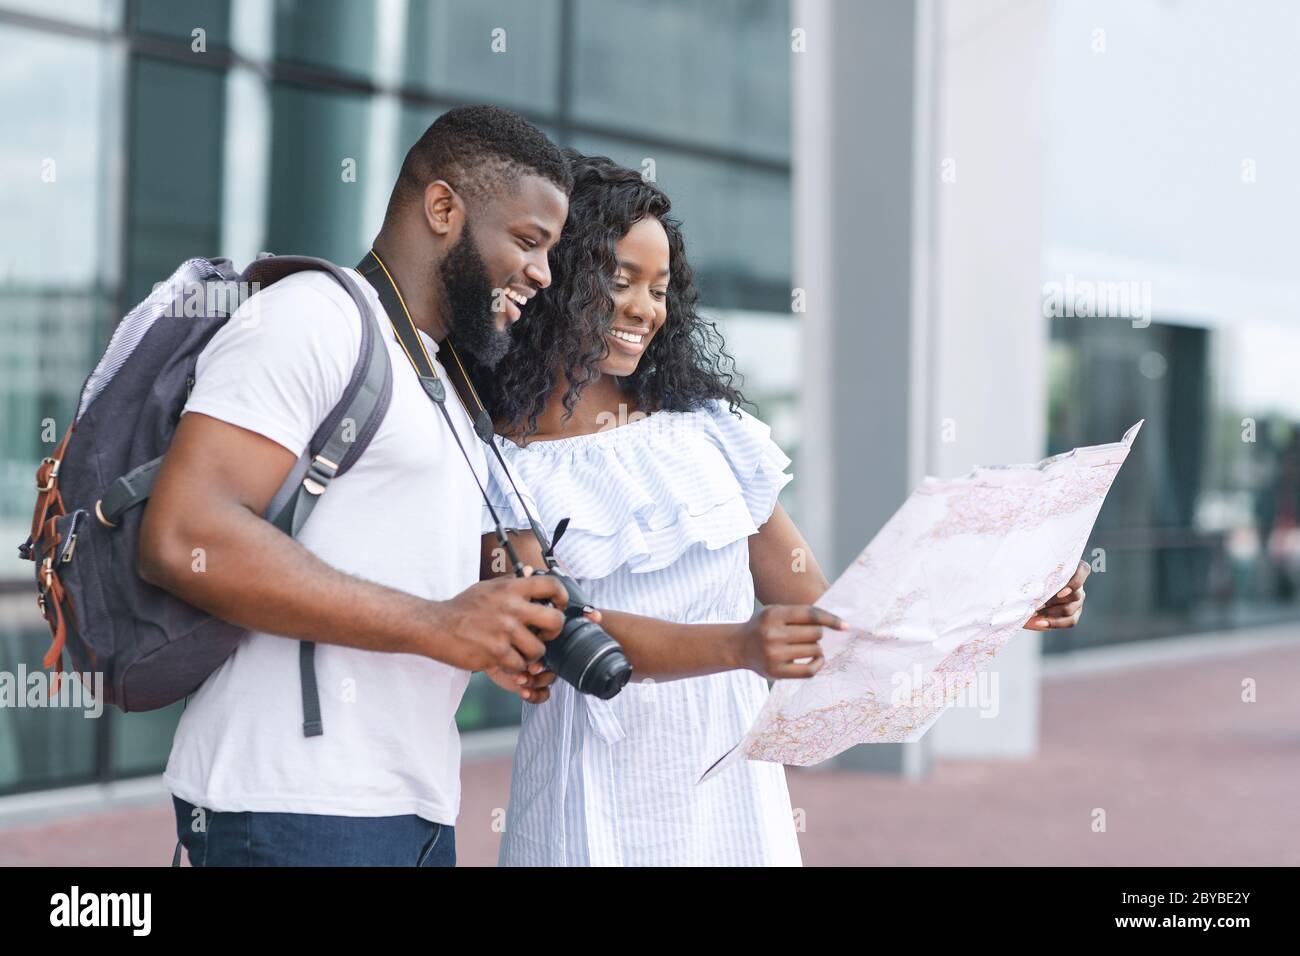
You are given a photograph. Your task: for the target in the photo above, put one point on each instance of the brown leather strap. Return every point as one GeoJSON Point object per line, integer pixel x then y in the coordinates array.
{"type": "Point", "coordinates": [45, 540]}
{"type": "Point", "coordinates": [53, 596]}
{"type": "Point", "coordinates": [47, 488]}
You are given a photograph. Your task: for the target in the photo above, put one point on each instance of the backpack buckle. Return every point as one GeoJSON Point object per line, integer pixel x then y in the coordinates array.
{"type": "Point", "coordinates": [99, 515]}
{"type": "Point", "coordinates": [50, 476]}
{"type": "Point", "coordinates": [319, 474]}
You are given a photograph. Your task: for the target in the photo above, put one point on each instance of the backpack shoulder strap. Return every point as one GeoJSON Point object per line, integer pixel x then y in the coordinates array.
{"type": "Point", "coordinates": [351, 424]}
{"type": "Point", "coordinates": [337, 443]}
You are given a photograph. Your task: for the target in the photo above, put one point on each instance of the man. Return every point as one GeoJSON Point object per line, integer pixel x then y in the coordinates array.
{"type": "Point", "coordinates": [384, 575]}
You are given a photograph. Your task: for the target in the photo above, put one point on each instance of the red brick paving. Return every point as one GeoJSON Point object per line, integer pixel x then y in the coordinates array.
{"type": "Point", "coordinates": [1186, 772]}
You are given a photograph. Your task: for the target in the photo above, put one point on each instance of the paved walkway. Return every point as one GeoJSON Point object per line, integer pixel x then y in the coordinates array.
{"type": "Point", "coordinates": [1187, 773]}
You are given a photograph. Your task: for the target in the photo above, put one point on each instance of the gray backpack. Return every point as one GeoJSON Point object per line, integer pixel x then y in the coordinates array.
{"type": "Point", "coordinates": [152, 648]}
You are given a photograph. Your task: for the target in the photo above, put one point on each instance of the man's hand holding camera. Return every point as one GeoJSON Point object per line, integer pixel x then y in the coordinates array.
{"type": "Point", "coordinates": [501, 628]}
{"type": "Point", "coordinates": [498, 624]}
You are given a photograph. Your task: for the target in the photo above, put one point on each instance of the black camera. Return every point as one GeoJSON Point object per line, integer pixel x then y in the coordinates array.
{"type": "Point", "coordinates": [583, 653]}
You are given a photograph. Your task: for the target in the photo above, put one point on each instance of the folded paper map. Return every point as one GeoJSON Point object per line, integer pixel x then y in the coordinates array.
{"type": "Point", "coordinates": [956, 573]}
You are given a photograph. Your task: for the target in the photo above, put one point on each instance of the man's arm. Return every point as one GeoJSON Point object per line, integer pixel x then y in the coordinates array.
{"type": "Point", "coordinates": [214, 485]}
{"type": "Point", "coordinates": [769, 643]}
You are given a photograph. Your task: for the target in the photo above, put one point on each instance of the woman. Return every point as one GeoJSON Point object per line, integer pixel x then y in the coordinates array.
{"type": "Point", "coordinates": [615, 408]}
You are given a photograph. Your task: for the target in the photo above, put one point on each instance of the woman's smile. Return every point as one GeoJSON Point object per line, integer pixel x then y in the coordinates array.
{"type": "Point", "coordinates": [628, 341]}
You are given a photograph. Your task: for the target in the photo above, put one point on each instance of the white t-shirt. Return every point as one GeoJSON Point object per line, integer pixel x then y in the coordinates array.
{"type": "Point", "coordinates": [407, 515]}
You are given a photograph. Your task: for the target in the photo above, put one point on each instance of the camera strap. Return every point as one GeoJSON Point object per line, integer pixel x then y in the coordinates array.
{"type": "Point", "coordinates": [372, 268]}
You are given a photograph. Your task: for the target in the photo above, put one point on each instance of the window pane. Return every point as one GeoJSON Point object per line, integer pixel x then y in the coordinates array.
{"type": "Point", "coordinates": [711, 73]}
{"type": "Point", "coordinates": [104, 14]}
{"type": "Point", "coordinates": [318, 144]}
{"type": "Point", "coordinates": [176, 149]}
{"type": "Point", "coordinates": [337, 35]}
{"type": "Point", "coordinates": [180, 18]}
{"type": "Point", "coordinates": [455, 49]}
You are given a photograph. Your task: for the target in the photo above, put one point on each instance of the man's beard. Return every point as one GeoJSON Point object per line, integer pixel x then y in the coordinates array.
{"type": "Point", "coordinates": [468, 298]}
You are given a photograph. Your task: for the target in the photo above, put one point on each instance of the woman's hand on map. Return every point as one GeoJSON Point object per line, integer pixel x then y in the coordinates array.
{"type": "Point", "coordinates": [781, 640]}
{"type": "Point", "coordinates": [1066, 605]}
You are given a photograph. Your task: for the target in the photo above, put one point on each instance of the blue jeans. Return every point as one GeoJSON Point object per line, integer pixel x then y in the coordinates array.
{"type": "Point", "coordinates": [213, 838]}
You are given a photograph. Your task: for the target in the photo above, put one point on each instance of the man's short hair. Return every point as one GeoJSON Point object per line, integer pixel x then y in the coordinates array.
{"type": "Point", "coordinates": [478, 150]}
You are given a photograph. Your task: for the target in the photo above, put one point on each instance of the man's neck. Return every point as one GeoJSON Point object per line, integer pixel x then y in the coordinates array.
{"type": "Point", "coordinates": [415, 283]}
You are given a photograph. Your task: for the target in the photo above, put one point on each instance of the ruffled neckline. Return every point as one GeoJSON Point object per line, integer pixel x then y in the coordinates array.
{"type": "Point", "coordinates": [639, 495]}
{"type": "Point", "coordinates": [603, 434]}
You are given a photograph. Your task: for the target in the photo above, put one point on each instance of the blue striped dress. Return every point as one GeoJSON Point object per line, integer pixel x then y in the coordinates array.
{"type": "Point", "coordinates": [660, 509]}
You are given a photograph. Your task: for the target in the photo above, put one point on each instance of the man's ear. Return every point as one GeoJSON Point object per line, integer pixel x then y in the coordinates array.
{"type": "Point", "coordinates": [444, 210]}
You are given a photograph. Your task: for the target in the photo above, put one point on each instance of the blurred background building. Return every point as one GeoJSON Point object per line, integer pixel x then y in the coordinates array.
{"type": "Point", "coordinates": [878, 197]}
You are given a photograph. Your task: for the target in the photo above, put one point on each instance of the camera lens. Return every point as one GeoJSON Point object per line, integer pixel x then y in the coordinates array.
{"type": "Point", "coordinates": [588, 658]}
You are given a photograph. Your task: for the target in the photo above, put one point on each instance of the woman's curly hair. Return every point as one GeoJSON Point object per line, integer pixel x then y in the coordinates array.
{"type": "Point", "coordinates": [563, 331]}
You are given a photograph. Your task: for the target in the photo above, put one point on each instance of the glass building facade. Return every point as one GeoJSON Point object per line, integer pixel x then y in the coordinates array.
{"type": "Point", "coordinates": [137, 133]}
{"type": "Point", "coordinates": [1202, 536]}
